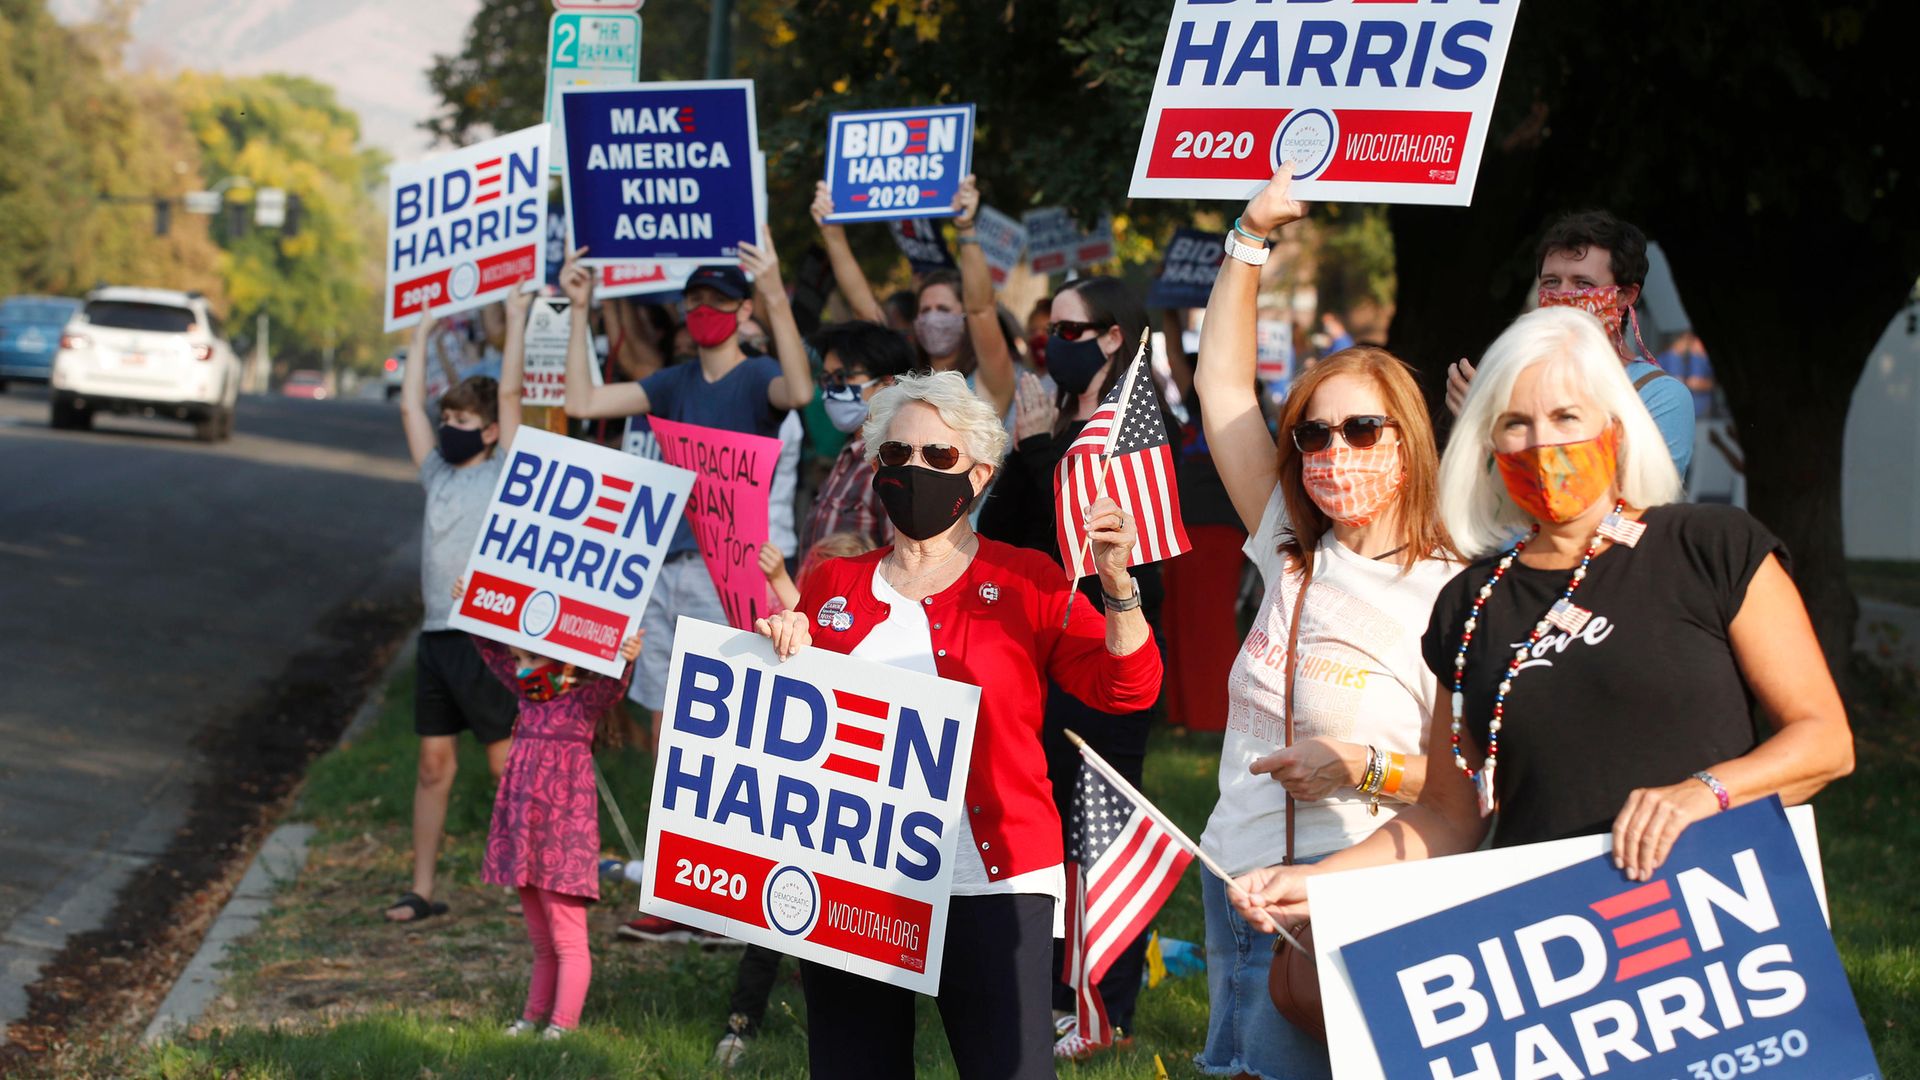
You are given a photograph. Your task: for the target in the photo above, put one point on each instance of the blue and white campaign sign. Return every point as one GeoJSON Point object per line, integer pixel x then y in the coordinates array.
{"type": "Point", "coordinates": [592, 49]}
{"type": "Point", "coordinates": [898, 163]}
{"type": "Point", "coordinates": [1188, 269]}
{"type": "Point", "coordinates": [811, 806]}
{"type": "Point", "coordinates": [1002, 240]}
{"type": "Point", "coordinates": [662, 171]}
{"type": "Point", "coordinates": [569, 549]}
{"type": "Point", "coordinates": [1720, 966]}
{"type": "Point", "coordinates": [1055, 241]}
{"type": "Point", "coordinates": [556, 242]}
{"type": "Point", "coordinates": [465, 228]}
{"type": "Point", "coordinates": [920, 241]}
{"type": "Point", "coordinates": [1371, 101]}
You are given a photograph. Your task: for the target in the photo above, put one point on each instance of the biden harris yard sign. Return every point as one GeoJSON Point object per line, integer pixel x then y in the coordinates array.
{"type": "Point", "coordinates": [662, 171]}
{"type": "Point", "coordinates": [810, 806]}
{"type": "Point", "coordinates": [569, 549]}
{"type": "Point", "coordinates": [898, 163]}
{"type": "Point", "coordinates": [466, 227]}
{"type": "Point", "coordinates": [1371, 101]}
{"type": "Point", "coordinates": [1720, 966]}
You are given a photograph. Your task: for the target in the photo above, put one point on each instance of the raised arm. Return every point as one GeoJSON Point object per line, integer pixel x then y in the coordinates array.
{"type": "Point", "coordinates": [794, 388]}
{"type": "Point", "coordinates": [413, 392]}
{"type": "Point", "coordinates": [513, 365]}
{"type": "Point", "coordinates": [983, 317]}
{"type": "Point", "coordinates": [847, 275]}
{"type": "Point", "coordinates": [586, 401]}
{"type": "Point", "coordinates": [1236, 430]}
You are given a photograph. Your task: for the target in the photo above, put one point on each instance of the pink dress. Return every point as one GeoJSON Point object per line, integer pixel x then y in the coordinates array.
{"type": "Point", "coordinates": [546, 816]}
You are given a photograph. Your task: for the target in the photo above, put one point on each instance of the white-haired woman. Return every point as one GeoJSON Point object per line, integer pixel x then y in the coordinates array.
{"type": "Point", "coordinates": [1599, 661]}
{"type": "Point", "coordinates": [945, 601]}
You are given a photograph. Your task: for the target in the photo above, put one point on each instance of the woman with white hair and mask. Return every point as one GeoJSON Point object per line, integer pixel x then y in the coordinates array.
{"type": "Point", "coordinates": [945, 601]}
{"type": "Point", "coordinates": [1599, 661]}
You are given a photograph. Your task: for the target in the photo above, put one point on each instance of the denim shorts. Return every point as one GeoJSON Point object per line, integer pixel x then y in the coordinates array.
{"type": "Point", "coordinates": [1245, 1034]}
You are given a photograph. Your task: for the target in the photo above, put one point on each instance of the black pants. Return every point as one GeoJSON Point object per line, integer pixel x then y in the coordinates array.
{"type": "Point", "coordinates": [1122, 741]}
{"type": "Point", "coordinates": [752, 989]}
{"type": "Point", "coordinates": [993, 1001]}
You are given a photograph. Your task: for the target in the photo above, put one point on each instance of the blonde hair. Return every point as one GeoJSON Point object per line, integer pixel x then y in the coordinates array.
{"type": "Point", "coordinates": [980, 430]}
{"type": "Point", "coordinates": [1473, 499]}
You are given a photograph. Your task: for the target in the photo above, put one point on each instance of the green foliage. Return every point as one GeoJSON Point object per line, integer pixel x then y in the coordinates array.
{"type": "Point", "coordinates": [319, 287]}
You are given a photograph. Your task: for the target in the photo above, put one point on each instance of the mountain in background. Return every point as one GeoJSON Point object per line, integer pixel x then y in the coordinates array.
{"type": "Point", "coordinates": [374, 53]}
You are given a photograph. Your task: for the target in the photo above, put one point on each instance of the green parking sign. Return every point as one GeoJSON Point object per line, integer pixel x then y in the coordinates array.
{"type": "Point", "coordinates": [588, 50]}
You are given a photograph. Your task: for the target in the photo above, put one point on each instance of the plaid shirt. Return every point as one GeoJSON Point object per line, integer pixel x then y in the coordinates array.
{"type": "Point", "coordinates": [847, 503]}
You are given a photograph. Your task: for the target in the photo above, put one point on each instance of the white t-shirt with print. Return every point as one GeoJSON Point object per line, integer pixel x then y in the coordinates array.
{"type": "Point", "coordinates": [1361, 680]}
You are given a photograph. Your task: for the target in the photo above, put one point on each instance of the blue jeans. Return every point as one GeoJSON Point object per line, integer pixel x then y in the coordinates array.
{"type": "Point", "coordinates": [1245, 1034]}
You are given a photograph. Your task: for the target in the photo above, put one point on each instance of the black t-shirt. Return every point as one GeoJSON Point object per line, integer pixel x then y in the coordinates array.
{"type": "Point", "coordinates": [1645, 695]}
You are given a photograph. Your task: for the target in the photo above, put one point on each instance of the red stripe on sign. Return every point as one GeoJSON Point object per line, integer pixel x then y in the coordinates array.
{"type": "Point", "coordinates": [1398, 146]}
{"type": "Point", "coordinates": [602, 524]}
{"type": "Point", "coordinates": [1632, 967]}
{"type": "Point", "coordinates": [916, 148]}
{"type": "Point", "coordinates": [676, 877]}
{"type": "Point", "coordinates": [488, 197]}
{"type": "Point", "coordinates": [865, 706]}
{"type": "Point", "coordinates": [494, 600]}
{"type": "Point", "coordinates": [614, 505]}
{"type": "Point", "coordinates": [1187, 141]}
{"type": "Point", "coordinates": [859, 736]}
{"type": "Point", "coordinates": [508, 268]}
{"type": "Point", "coordinates": [1654, 892]}
{"type": "Point", "coordinates": [1653, 926]}
{"type": "Point", "coordinates": [920, 123]}
{"type": "Point", "coordinates": [859, 198]}
{"type": "Point", "coordinates": [616, 483]}
{"type": "Point", "coordinates": [872, 923]}
{"type": "Point", "coordinates": [846, 766]}
{"type": "Point", "coordinates": [493, 163]}
{"type": "Point", "coordinates": [928, 193]}
{"type": "Point", "coordinates": [588, 628]}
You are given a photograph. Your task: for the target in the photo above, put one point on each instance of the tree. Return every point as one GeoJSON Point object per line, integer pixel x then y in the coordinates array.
{"type": "Point", "coordinates": [319, 286]}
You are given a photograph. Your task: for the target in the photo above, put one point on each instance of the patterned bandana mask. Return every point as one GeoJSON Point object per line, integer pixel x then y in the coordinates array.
{"type": "Point", "coordinates": [1558, 483]}
{"type": "Point", "coordinates": [544, 683]}
{"type": "Point", "coordinates": [1603, 303]}
{"type": "Point", "coordinates": [1352, 486]}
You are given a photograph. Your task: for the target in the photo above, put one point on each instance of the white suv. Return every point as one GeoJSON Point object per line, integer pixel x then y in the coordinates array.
{"type": "Point", "coordinates": [146, 352]}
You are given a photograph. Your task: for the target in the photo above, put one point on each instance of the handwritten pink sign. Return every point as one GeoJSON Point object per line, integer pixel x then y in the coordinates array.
{"type": "Point", "coordinates": [728, 508]}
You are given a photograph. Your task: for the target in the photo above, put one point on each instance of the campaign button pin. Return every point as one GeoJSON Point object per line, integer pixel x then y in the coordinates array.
{"type": "Point", "coordinates": [842, 621]}
{"type": "Point", "coordinates": [990, 593]}
{"type": "Point", "coordinates": [831, 611]}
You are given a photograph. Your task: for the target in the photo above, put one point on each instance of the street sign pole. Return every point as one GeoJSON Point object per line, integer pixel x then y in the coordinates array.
{"type": "Point", "coordinates": [588, 49]}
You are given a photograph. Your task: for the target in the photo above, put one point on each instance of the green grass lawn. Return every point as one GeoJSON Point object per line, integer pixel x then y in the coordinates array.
{"type": "Point", "coordinates": [324, 990]}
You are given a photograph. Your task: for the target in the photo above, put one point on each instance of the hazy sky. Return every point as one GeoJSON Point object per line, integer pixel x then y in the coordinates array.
{"type": "Point", "coordinates": [374, 53]}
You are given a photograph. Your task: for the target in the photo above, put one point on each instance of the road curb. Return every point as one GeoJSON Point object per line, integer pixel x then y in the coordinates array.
{"type": "Point", "coordinates": [277, 863]}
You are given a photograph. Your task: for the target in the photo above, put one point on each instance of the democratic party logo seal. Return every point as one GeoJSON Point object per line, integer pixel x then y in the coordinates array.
{"type": "Point", "coordinates": [791, 901]}
{"type": "Point", "coordinates": [463, 281]}
{"type": "Point", "coordinates": [1307, 138]}
{"type": "Point", "coordinates": [538, 616]}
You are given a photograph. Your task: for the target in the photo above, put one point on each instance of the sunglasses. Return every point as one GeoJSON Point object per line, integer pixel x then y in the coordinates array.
{"type": "Point", "coordinates": [834, 380]}
{"type": "Point", "coordinates": [1359, 432]}
{"type": "Point", "coordinates": [937, 455]}
{"type": "Point", "coordinates": [1068, 330]}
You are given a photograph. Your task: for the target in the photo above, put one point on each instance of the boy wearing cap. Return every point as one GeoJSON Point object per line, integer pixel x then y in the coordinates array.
{"type": "Point", "coordinates": [726, 389]}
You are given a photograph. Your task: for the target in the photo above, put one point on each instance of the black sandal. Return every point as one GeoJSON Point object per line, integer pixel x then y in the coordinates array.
{"type": "Point", "coordinates": [414, 902]}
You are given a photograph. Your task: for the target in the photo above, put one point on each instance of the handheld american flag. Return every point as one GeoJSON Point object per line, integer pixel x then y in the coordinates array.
{"type": "Point", "coordinates": [1123, 860]}
{"type": "Point", "coordinates": [1122, 453]}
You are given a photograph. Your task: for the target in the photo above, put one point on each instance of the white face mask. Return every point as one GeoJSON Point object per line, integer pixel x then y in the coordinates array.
{"type": "Point", "coordinates": [846, 407]}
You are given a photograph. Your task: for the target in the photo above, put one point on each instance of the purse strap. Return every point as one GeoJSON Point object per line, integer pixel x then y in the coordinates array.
{"type": "Point", "coordinates": [1293, 643]}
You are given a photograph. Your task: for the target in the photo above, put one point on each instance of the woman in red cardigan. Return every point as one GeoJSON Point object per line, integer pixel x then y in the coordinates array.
{"type": "Point", "coordinates": [945, 601]}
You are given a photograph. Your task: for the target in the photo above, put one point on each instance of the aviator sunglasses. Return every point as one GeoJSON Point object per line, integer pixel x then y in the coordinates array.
{"type": "Point", "coordinates": [1359, 432]}
{"type": "Point", "coordinates": [937, 455]}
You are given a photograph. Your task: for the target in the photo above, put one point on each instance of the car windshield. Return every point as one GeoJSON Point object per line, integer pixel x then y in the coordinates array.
{"type": "Point", "coordinates": [130, 315]}
{"type": "Point", "coordinates": [41, 312]}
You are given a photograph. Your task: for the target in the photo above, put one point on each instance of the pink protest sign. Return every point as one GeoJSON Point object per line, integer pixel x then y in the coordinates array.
{"type": "Point", "coordinates": [728, 508]}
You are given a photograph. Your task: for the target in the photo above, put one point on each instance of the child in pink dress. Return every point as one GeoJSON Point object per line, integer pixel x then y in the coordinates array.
{"type": "Point", "coordinates": [545, 838]}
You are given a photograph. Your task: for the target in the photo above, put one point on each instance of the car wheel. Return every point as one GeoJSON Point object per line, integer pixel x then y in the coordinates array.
{"type": "Point", "coordinates": [68, 417]}
{"type": "Point", "coordinates": [226, 423]}
{"type": "Point", "coordinates": [207, 429]}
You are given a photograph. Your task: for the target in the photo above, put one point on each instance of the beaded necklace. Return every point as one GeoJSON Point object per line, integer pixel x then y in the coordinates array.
{"type": "Point", "coordinates": [1564, 614]}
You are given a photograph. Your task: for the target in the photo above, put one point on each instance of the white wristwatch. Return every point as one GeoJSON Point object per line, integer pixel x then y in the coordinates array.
{"type": "Point", "coordinates": [1247, 253]}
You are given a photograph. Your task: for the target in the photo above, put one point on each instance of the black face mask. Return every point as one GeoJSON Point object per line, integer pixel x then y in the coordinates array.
{"type": "Point", "coordinates": [922, 503]}
{"type": "Point", "coordinates": [460, 445]}
{"type": "Point", "coordinates": [1073, 364]}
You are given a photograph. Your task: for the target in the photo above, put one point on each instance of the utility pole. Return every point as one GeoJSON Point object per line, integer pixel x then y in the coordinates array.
{"type": "Point", "coordinates": [720, 41]}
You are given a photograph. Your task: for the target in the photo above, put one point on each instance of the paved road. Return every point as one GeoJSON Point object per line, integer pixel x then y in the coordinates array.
{"type": "Point", "coordinates": [148, 582]}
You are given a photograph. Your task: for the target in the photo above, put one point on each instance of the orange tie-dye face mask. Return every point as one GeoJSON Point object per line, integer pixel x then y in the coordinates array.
{"type": "Point", "coordinates": [1558, 483]}
{"type": "Point", "coordinates": [1352, 486]}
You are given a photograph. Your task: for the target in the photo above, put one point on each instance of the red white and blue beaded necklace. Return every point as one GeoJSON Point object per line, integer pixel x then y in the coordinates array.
{"type": "Point", "coordinates": [1564, 614]}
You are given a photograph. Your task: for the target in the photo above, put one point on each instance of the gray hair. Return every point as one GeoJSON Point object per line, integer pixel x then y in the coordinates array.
{"type": "Point", "coordinates": [981, 433]}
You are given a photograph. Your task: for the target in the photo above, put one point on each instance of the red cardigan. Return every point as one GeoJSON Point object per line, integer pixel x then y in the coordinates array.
{"type": "Point", "coordinates": [999, 628]}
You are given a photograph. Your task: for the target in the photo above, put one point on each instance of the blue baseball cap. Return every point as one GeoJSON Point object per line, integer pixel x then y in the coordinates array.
{"type": "Point", "coordinates": [725, 279]}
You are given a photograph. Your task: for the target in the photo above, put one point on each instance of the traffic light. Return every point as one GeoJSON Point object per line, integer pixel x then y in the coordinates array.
{"type": "Point", "coordinates": [162, 217]}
